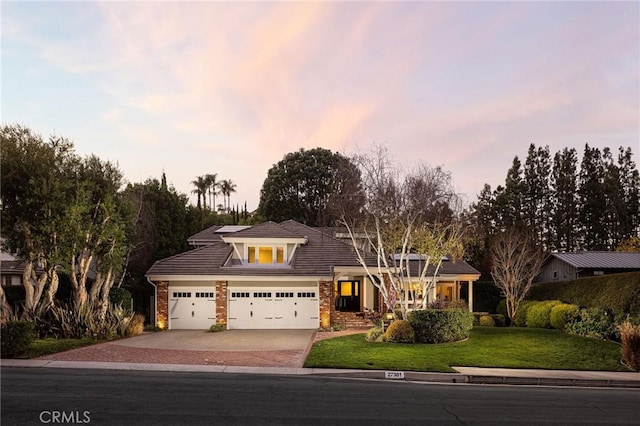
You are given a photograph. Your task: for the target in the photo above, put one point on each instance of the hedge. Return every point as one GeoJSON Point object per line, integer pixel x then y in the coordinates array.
{"type": "Point", "coordinates": [17, 336]}
{"type": "Point", "coordinates": [562, 314]}
{"type": "Point", "coordinates": [539, 313]}
{"type": "Point", "coordinates": [441, 326]}
{"type": "Point", "coordinates": [619, 293]}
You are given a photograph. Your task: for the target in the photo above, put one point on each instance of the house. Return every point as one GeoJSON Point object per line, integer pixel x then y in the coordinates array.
{"type": "Point", "coordinates": [571, 266]}
{"type": "Point", "coordinates": [275, 275]}
{"type": "Point", "coordinates": [11, 269]}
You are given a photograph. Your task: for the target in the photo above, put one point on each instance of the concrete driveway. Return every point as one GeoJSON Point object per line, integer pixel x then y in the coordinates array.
{"type": "Point", "coordinates": [250, 348]}
{"type": "Point", "coordinates": [229, 340]}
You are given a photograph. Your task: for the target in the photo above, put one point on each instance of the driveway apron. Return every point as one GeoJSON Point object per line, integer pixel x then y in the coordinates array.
{"type": "Point", "coordinates": [252, 348]}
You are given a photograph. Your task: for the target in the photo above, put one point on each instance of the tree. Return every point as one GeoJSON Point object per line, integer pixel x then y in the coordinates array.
{"type": "Point", "coordinates": [629, 245]}
{"type": "Point", "coordinates": [405, 217]}
{"type": "Point", "coordinates": [200, 190]}
{"type": "Point", "coordinates": [309, 187]}
{"type": "Point", "coordinates": [517, 261]}
{"type": "Point", "coordinates": [95, 229]}
{"type": "Point", "coordinates": [226, 188]}
{"type": "Point", "coordinates": [35, 194]}
{"type": "Point", "coordinates": [537, 196]}
{"type": "Point", "coordinates": [563, 211]}
{"type": "Point", "coordinates": [591, 201]}
{"type": "Point", "coordinates": [212, 187]}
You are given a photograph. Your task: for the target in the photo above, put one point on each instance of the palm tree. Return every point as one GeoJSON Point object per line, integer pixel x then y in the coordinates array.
{"type": "Point", "coordinates": [212, 187]}
{"type": "Point", "coordinates": [201, 189]}
{"type": "Point", "coordinates": [226, 188]}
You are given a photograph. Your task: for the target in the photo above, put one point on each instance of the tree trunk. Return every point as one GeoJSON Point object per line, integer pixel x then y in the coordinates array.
{"type": "Point", "coordinates": [33, 285]}
{"type": "Point", "coordinates": [53, 286]}
{"type": "Point", "coordinates": [5, 309]}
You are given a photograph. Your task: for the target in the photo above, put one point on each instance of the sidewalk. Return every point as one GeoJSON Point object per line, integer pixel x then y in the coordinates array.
{"type": "Point", "coordinates": [465, 374]}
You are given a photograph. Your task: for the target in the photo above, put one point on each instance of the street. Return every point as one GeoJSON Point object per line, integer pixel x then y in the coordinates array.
{"type": "Point", "coordinates": [33, 396]}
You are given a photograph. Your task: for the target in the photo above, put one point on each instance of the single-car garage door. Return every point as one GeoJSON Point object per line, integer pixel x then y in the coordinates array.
{"type": "Point", "coordinates": [191, 308]}
{"type": "Point", "coordinates": [273, 307]}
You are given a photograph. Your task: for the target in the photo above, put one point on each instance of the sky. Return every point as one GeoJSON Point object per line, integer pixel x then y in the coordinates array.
{"type": "Point", "coordinates": [192, 88]}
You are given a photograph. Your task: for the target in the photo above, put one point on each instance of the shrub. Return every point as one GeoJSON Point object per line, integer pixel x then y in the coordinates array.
{"type": "Point", "coordinates": [17, 336]}
{"type": "Point", "coordinates": [501, 309]}
{"type": "Point", "coordinates": [562, 314]}
{"type": "Point", "coordinates": [120, 296]}
{"type": "Point", "coordinates": [374, 334]}
{"type": "Point", "coordinates": [217, 327]}
{"type": "Point", "coordinates": [593, 322]}
{"type": "Point", "coordinates": [539, 314]}
{"type": "Point", "coordinates": [487, 321]}
{"type": "Point", "coordinates": [499, 320]}
{"type": "Point", "coordinates": [619, 293]}
{"type": "Point", "coordinates": [400, 331]}
{"type": "Point", "coordinates": [630, 340]}
{"type": "Point", "coordinates": [520, 319]}
{"type": "Point", "coordinates": [136, 325]}
{"type": "Point", "coordinates": [440, 326]}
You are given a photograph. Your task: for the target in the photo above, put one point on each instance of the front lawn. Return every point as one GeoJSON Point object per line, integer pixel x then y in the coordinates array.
{"type": "Point", "coordinates": [511, 347]}
{"type": "Point", "coordinates": [42, 347]}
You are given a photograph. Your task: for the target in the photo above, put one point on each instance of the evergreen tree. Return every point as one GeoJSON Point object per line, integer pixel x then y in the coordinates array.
{"type": "Point", "coordinates": [592, 202]}
{"type": "Point", "coordinates": [510, 199]}
{"type": "Point", "coordinates": [536, 193]}
{"type": "Point", "coordinates": [564, 211]}
{"type": "Point", "coordinates": [630, 181]}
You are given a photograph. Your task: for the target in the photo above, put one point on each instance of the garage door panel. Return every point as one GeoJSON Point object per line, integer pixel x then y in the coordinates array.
{"type": "Point", "coordinates": [273, 308]}
{"type": "Point", "coordinates": [191, 308]}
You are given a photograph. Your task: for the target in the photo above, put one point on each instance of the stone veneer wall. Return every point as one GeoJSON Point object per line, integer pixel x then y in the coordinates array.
{"type": "Point", "coordinates": [325, 290]}
{"type": "Point", "coordinates": [162, 297]}
{"type": "Point", "coordinates": [221, 302]}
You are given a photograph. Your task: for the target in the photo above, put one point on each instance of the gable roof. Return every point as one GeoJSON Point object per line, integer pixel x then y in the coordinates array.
{"type": "Point", "coordinates": [601, 259]}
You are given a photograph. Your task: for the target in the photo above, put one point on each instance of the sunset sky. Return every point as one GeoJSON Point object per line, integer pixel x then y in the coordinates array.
{"type": "Point", "coordinates": [205, 87]}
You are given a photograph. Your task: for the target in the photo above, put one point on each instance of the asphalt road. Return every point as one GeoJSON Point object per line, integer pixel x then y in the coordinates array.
{"type": "Point", "coordinates": [35, 396]}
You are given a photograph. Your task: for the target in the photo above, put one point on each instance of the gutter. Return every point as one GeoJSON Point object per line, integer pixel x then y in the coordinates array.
{"type": "Point", "coordinates": [155, 301]}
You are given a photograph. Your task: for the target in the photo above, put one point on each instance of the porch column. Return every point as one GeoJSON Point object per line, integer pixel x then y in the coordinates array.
{"type": "Point", "coordinates": [162, 308]}
{"type": "Point", "coordinates": [470, 296]}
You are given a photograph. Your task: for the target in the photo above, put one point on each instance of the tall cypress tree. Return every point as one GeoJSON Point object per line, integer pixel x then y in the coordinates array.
{"type": "Point", "coordinates": [564, 209]}
{"type": "Point", "coordinates": [536, 193]}
{"type": "Point", "coordinates": [592, 202]}
{"type": "Point", "coordinates": [630, 179]}
{"type": "Point", "coordinates": [510, 200]}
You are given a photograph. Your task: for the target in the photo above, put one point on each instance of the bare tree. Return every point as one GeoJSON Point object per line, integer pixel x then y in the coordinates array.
{"type": "Point", "coordinates": [406, 217]}
{"type": "Point", "coordinates": [517, 261]}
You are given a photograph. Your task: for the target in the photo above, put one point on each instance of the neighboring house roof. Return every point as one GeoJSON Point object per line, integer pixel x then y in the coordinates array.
{"type": "Point", "coordinates": [205, 236]}
{"type": "Point", "coordinates": [11, 267]}
{"type": "Point", "coordinates": [600, 259]}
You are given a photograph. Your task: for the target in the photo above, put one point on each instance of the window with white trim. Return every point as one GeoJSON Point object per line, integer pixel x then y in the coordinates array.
{"type": "Point", "coordinates": [265, 255]}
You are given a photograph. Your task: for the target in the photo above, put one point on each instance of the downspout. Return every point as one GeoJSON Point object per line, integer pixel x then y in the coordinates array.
{"type": "Point", "coordinates": [155, 301]}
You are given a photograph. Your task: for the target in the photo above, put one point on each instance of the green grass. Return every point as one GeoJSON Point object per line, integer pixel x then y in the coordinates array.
{"type": "Point", "coordinates": [510, 347]}
{"type": "Point", "coordinates": [42, 347]}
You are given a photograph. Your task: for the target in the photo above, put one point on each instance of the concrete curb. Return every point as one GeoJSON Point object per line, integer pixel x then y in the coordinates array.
{"type": "Point", "coordinates": [466, 375]}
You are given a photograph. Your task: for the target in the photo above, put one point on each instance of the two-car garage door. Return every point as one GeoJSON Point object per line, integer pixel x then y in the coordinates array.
{"type": "Point", "coordinates": [273, 307]}
{"type": "Point", "coordinates": [249, 307]}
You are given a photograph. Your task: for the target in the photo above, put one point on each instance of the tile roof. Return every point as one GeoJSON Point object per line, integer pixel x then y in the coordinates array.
{"type": "Point", "coordinates": [317, 257]}
{"type": "Point", "coordinates": [448, 267]}
{"type": "Point", "coordinates": [266, 230]}
{"type": "Point", "coordinates": [601, 259]}
{"type": "Point", "coordinates": [205, 236]}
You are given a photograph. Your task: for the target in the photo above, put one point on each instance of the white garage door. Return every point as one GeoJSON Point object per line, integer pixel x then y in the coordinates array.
{"type": "Point", "coordinates": [273, 307]}
{"type": "Point", "coordinates": [191, 308]}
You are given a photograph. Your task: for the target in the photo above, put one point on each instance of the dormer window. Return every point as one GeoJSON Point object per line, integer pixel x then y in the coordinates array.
{"type": "Point", "coordinates": [265, 255]}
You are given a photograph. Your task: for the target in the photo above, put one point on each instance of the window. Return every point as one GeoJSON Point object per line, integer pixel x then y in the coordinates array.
{"type": "Point", "coordinates": [347, 296]}
{"type": "Point", "coordinates": [265, 255]}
